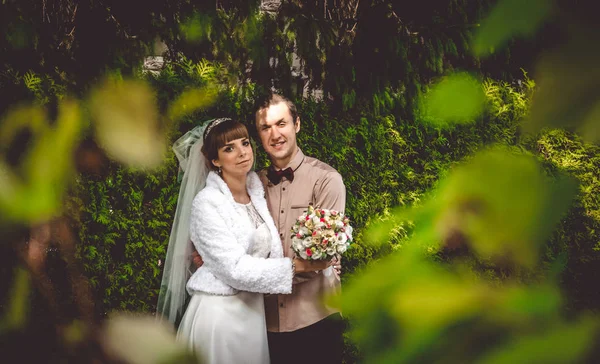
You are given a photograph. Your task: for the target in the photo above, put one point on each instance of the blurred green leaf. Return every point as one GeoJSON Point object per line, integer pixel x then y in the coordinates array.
{"type": "Point", "coordinates": [192, 100]}
{"type": "Point", "coordinates": [563, 343]}
{"type": "Point", "coordinates": [52, 157]}
{"type": "Point", "coordinates": [568, 81]}
{"type": "Point", "coordinates": [502, 204]}
{"type": "Point", "coordinates": [417, 306]}
{"type": "Point", "coordinates": [458, 98]}
{"type": "Point", "coordinates": [519, 304]}
{"type": "Point", "coordinates": [126, 122]}
{"type": "Point", "coordinates": [508, 19]}
{"type": "Point", "coordinates": [405, 307]}
{"type": "Point", "coordinates": [379, 232]}
{"type": "Point", "coordinates": [140, 339]}
{"type": "Point", "coordinates": [34, 190]}
{"type": "Point", "coordinates": [75, 332]}
{"type": "Point", "coordinates": [366, 301]}
{"type": "Point", "coordinates": [30, 117]}
{"type": "Point", "coordinates": [15, 315]}
{"type": "Point", "coordinates": [499, 203]}
{"type": "Point", "coordinates": [196, 28]}
{"type": "Point", "coordinates": [432, 300]}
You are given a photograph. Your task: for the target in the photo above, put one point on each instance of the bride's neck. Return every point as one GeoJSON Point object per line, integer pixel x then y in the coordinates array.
{"type": "Point", "coordinates": [237, 186]}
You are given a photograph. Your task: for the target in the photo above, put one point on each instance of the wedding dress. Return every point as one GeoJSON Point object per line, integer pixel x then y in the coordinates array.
{"type": "Point", "coordinates": [231, 329]}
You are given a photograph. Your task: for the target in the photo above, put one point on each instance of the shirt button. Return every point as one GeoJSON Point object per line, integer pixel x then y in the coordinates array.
{"type": "Point", "coordinates": [284, 188]}
{"type": "Point", "coordinates": [281, 305]}
{"type": "Point", "coordinates": [281, 235]}
{"type": "Point", "coordinates": [282, 211]}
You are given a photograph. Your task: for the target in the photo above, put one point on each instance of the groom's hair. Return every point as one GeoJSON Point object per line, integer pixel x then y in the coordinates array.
{"type": "Point", "coordinates": [274, 99]}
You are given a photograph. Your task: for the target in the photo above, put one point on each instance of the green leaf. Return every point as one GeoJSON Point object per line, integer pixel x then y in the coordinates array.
{"type": "Point", "coordinates": [18, 302]}
{"type": "Point", "coordinates": [143, 339]}
{"type": "Point", "coordinates": [191, 101]}
{"type": "Point", "coordinates": [125, 119]}
{"type": "Point", "coordinates": [34, 191]}
{"type": "Point", "coordinates": [508, 19]}
{"type": "Point", "coordinates": [196, 28]}
{"type": "Point", "coordinates": [502, 205]}
{"type": "Point", "coordinates": [563, 343]}
{"type": "Point", "coordinates": [567, 94]}
{"type": "Point", "coordinates": [458, 98]}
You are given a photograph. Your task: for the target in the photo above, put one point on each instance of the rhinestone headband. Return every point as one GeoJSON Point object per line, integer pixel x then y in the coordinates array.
{"type": "Point", "coordinates": [213, 124]}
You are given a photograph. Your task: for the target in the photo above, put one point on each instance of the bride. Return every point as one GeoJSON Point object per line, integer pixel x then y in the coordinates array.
{"type": "Point", "coordinates": [222, 210]}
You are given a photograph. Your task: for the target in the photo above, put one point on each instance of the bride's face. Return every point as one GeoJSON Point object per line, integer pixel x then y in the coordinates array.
{"type": "Point", "coordinates": [235, 157]}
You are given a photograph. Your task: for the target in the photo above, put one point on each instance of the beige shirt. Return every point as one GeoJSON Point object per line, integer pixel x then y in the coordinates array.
{"type": "Point", "coordinates": [317, 183]}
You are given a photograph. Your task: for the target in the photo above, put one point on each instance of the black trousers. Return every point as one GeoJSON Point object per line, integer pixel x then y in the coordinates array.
{"type": "Point", "coordinates": [321, 342]}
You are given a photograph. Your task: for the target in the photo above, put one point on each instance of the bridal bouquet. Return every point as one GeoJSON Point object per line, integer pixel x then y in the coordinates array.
{"type": "Point", "coordinates": [321, 234]}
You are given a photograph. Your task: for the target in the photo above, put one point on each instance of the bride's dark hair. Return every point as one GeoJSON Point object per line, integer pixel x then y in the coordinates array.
{"type": "Point", "coordinates": [219, 135]}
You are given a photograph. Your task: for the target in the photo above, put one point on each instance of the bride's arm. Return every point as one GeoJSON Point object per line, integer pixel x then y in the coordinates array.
{"type": "Point", "coordinates": [228, 260]}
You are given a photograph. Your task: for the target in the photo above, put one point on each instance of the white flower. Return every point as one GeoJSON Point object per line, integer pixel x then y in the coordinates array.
{"type": "Point", "coordinates": [303, 230]}
{"type": "Point", "coordinates": [320, 225]}
{"type": "Point", "coordinates": [331, 250]}
{"type": "Point", "coordinates": [302, 253]}
{"type": "Point", "coordinates": [341, 238]}
{"type": "Point", "coordinates": [341, 248]}
{"type": "Point", "coordinates": [317, 254]}
{"type": "Point", "coordinates": [349, 231]}
{"type": "Point", "coordinates": [297, 244]}
{"type": "Point", "coordinates": [307, 242]}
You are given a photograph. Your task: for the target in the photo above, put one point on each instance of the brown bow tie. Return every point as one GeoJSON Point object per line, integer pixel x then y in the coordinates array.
{"type": "Point", "coordinates": [275, 176]}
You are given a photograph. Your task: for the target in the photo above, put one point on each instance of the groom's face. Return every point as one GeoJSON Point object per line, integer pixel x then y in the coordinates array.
{"type": "Point", "coordinates": [277, 131]}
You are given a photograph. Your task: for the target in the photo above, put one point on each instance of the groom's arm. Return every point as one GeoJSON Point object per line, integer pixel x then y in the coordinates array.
{"type": "Point", "coordinates": [329, 193]}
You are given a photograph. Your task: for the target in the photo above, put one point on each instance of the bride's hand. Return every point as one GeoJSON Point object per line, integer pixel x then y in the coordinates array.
{"type": "Point", "coordinates": [197, 259]}
{"type": "Point", "coordinates": [303, 265]}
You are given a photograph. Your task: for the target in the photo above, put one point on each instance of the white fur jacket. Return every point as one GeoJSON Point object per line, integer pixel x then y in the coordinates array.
{"type": "Point", "coordinates": [222, 237]}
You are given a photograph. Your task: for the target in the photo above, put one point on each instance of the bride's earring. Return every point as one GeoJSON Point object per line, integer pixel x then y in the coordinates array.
{"type": "Point", "coordinates": [220, 170]}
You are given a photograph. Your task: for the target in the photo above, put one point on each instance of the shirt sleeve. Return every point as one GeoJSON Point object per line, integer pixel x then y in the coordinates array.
{"type": "Point", "coordinates": [227, 259]}
{"type": "Point", "coordinates": [329, 193]}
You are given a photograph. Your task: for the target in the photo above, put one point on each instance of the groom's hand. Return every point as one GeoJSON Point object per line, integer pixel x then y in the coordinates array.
{"type": "Point", "coordinates": [197, 259]}
{"type": "Point", "coordinates": [337, 265]}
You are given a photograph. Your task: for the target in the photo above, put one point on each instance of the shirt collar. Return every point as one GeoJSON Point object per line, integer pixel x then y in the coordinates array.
{"type": "Point", "coordinates": [296, 161]}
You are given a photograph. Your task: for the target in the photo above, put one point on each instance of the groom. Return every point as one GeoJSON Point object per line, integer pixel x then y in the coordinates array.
{"type": "Point", "coordinates": [301, 329]}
